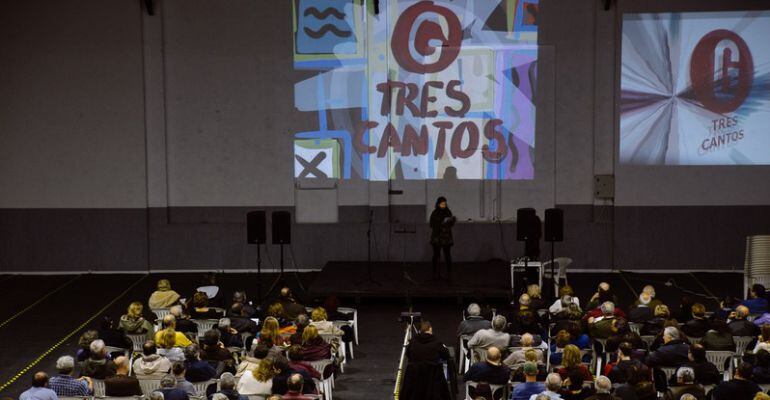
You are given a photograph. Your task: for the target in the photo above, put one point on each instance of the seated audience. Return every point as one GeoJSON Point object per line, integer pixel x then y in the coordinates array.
{"type": "Point", "coordinates": [179, 370]}
{"type": "Point", "coordinates": [259, 380]}
{"type": "Point", "coordinates": [133, 321]}
{"type": "Point", "coordinates": [199, 307]}
{"type": "Point", "coordinates": [251, 360]}
{"type": "Point", "coordinates": [294, 385]}
{"type": "Point", "coordinates": [111, 335]}
{"type": "Point", "coordinates": [228, 335]}
{"type": "Point", "coordinates": [573, 388]}
{"type": "Point", "coordinates": [619, 371]}
{"type": "Point", "coordinates": [685, 383]}
{"type": "Point", "coordinates": [182, 321]}
{"type": "Point", "coordinates": [603, 387]}
{"type": "Point", "coordinates": [654, 326]}
{"type": "Point", "coordinates": [572, 363]}
{"type": "Point", "coordinates": [557, 348]}
{"type": "Point", "coordinates": [301, 322]}
{"type": "Point", "coordinates": [169, 389]}
{"type": "Point", "coordinates": [84, 343]}
{"type": "Point", "coordinates": [280, 381]}
{"type": "Point", "coordinates": [706, 373]}
{"type": "Point", "coordinates": [566, 297]}
{"type": "Point", "coordinates": [197, 370]}
{"type": "Point", "coordinates": [621, 332]}
{"type": "Point", "coordinates": [552, 387]}
{"type": "Point", "coordinates": [517, 357]}
{"type": "Point", "coordinates": [490, 370]}
{"type": "Point", "coordinates": [473, 322]}
{"type": "Point", "coordinates": [315, 348]}
{"type": "Point", "coordinates": [757, 301]}
{"type": "Point", "coordinates": [672, 353]}
{"type": "Point", "coordinates": [739, 325]}
{"type": "Point", "coordinates": [740, 387]}
{"type": "Point", "coordinates": [761, 372]}
{"type": "Point", "coordinates": [603, 294]}
{"type": "Point", "coordinates": [291, 307]}
{"type": "Point", "coordinates": [248, 310]}
{"type": "Point", "coordinates": [423, 348]}
{"type": "Point", "coordinates": [163, 297]}
{"type": "Point", "coordinates": [600, 327]}
{"type": "Point", "coordinates": [718, 338]}
{"type": "Point", "coordinates": [324, 327]}
{"type": "Point", "coordinates": [763, 341]}
{"type": "Point", "coordinates": [212, 348]}
{"type": "Point", "coordinates": [530, 356]}
{"type": "Point", "coordinates": [240, 319]}
{"type": "Point", "coordinates": [642, 310]}
{"type": "Point", "coordinates": [64, 384]}
{"type": "Point", "coordinates": [97, 366]}
{"type": "Point", "coordinates": [495, 336]}
{"type": "Point", "coordinates": [530, 386]}
{"type": "Point", "coordinates": [658, 341]}
{"type": "Point", "coordinates": [699, 324]}
{"type": "Point", "coordinates": [578, 338]}
{"type": "Point", "coordinates": [169, 324]}
{"type": "Point", "coordinates": [571, 315]}
{"type": "Point", "coordinates": [276, 311]}
{"type": "Point", "coordinates": [296, 363]}
{"type": "Point", "coordinates": [151, 365]}
{"type": "Point", "coordinates": [38, 391]}
{"type": "Point", "coordinates": [168, 345]}
{"type": "Point", "coordinates": [227, 388]}
{"type": "Point", "coordinates": [536, 301]}
{"type": "Point", "coordinates": [120, 384]}
{"type": "Point", "coordinates": [637, 387]}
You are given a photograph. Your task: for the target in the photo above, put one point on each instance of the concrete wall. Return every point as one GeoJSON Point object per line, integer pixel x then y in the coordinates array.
{"type": "Point", "coordinates": [130, 142]}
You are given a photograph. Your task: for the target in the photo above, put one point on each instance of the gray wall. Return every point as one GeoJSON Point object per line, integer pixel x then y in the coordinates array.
{"type": "Point", "coordinates": [130, 141]}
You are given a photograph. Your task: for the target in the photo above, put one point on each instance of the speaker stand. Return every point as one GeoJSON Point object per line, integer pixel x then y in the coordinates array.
{"type": "Point", "coordinates": [280, 279]}
{"type": "Point", "coordinates": [554, 279]}
{"type": "Point", "coordinates": [370, 279]}
{"type": "Point", "coordinates": [259, 272]}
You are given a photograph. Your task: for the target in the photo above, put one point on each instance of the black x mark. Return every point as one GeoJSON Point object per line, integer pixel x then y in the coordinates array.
{"type": "Point", "coordinates": [311, 167]}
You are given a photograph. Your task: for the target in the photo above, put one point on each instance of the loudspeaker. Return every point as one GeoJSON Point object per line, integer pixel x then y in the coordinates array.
{"type": "Point", "coordinates": [554, 225]}
{"type": "Point", "coordinates": [525, 223]}
{"type": "Point", "coordinates": [256, 232]}
{"type": "Point", "coordinates": [281, 227]}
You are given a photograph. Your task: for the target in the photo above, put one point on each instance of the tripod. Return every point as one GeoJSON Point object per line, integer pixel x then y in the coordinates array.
{"type": "Point", "coordinates": [410, 318]}
{"type": "Point", "coordinates": [279, 279]}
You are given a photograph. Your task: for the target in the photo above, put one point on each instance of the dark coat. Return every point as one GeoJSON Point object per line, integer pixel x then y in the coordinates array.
{"type": "Point", "coordinates": [696, 327]}
{"type": "Point", "coordinates": [619, 373]}
{"type": "Point", "coordinates": [736, 389]}
{"type": "Point", "coordinates": [676, 392]}
{"type": "Point", "coordinates": [424, 347]}
{"type": "Point", "coordinates": [440, 227]}
{"type": "Point", "coordinates": [316, 349]}
{"type": "Point", "coordinates": [706, 373]}
{"type": "Point", "coordinates": [714, 340]}
{"type": "Point", "coordinates": [489, 373]}
{"type": "Point", "coordinates": [742, 327]}
{"type": "Point", "coordinates": [671, 354]}
{"type": "Point", "coordinates": [174, 394]}
{"type": "Point", "coordinates": [122, 386]}
{"type": "Point", "coordinates": [614, 341]}
{"type": "Point", "coordinates": [97, 369]}
{"type": "Point", "coordinates": [424, 381]}
{"type": "Point", "coordinates": [199, 371]}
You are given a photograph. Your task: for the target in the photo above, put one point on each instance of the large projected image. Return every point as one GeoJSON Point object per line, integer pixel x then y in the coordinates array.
{"type": "Point", "coordinates": [415, 89]}
{"type": "Point", "coordinates": [695, 89]}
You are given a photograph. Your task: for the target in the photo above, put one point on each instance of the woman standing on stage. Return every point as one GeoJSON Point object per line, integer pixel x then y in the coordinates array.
{"type": "Point", "coordinates": [441, 222]}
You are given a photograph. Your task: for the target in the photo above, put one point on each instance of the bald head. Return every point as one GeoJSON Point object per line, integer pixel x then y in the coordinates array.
{"type": "Point", "coordinates": [40, 379]}
{"type": "Point", "coordinates": [494, 355]}
{"type": "Point", "coordinates": [604, 286]}
{"type": "Point", "coordinates": [121, 365]}
{"type": "Point", "coordinates": [527, 340]}
{"type": "Point", "coordinates": [742, 312]}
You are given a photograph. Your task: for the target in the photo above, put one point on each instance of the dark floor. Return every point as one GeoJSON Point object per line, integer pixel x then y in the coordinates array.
{"type": "Point", "coordinates": [51, 327]}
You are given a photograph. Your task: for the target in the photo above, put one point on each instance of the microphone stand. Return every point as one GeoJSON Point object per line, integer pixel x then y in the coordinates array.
{"type": "Point", "coordinates": [370, 279]}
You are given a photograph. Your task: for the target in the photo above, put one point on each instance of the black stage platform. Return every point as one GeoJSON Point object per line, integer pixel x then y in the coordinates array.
{"type": "Point", "coordinates": [394, 279]}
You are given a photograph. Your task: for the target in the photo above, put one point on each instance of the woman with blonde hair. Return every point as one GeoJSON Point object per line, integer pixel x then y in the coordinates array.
{"type": "Point", "coordinates": [535, 297]}
{"type": "Point", "coordinates": [270, 335]}
{"type": "Point", "coordinates": [314, 347]}
{"type": "Point", "coordinates": [318, 317]}
{"type": "Point", "coordinates": [163, 297]}
{"type": "Point", "coordinates": [167, 345]}
{"type": "Point", "coordinates": [133, 322]}
{"type": "Point", "coordinates": [260, 380]}
{"type": "Point", "coordinates": [571, 362]}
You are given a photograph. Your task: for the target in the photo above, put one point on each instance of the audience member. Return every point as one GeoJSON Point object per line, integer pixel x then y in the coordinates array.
{"type": "Point", "coordinates": [97, 366]}
{"type": "Point", "coordinates": [557, 348]}
{"type": "Point", "coordinates": [276, 311]}
{"type": "Point", "coordinates": [251, 360]}
{"type": "Point", "coordinates": [182, 321]}
{"type": "Point", "coordinates": [571, 315]}
{"type": "Point", "coordinates": [517, 357]}
{"type": "Point", "coordinates": [757, 301]}
{"type": "Point", "coordinates": [530, 356]}
{"type": "Point", "coordinates": [296, 363]}
{"type": "Point", "coordinates": [685, 383]}
{"type": "Point", "coordinates": [227, 388]}
{"type": "Point", "coordinates": [314, 347]}
{"type": "Point", "coordinates": [212, 348]}
{"type": "Point", "coordinates": [260, 380]}
{"type": "Point", "coordinates": [39, 391]}
{"type": "Point", "coordinates": [163, 297]}
{"type": "Point", "coordinates": [566, 297]}
{"type": "Point", "coordinates": [228, 335]}
{"type": "Point", "coordinates": [761, 372]}
{"type": "Point", "coordinates": [240, 319]}
{"type": "Point", "coordinates": [740, 387]}
{"type": "Point", "coordinates": [601, 327]}
{"type": "Point", "coordinates": [162, 336]}
{"type": "Point", "coordinates": [120, 384]}
{"type": "Point", "coordinates": [603, 387]}
{"type": "Point", "coordinates": [84, 343]}
{"type": "Point", "coordinates": [295, 384]}
{"type": "Point", "coordinates": [423, 348]}
{"type": "Point", "coordinates": [168, 343]}
{"type": "Point", "coordinates": [530, 386]}
{"type": "Point", "coordinates": [603, 294]}
{"type": "Point", "coordinates": [739, 325]}
{"type": "Point", "coordinates": [573, 388]}
{"type": "Point", "coordinates": [301, 322]}
{"type": "Point", "coordinates": [197, 370]}
{"type": "Point", "coordinates": [654, 326]}
{"type": "Point", "coordinates": [151, 365]}
{"type": "Point", "coordinates": [718, 338]}
{"type": "Point", "coordinates": [699, 324]}
{"type": "Point", "coordinates": [291, 307]}
{"type": "Point", "coordinates": [64, 384]}
{"type": "Point", "coordinates": [672, 353]}
{"type": "Point", "coordinates": [637, 387]}
{"type": "Point", "coordinates": [168, 388]}
{"type": "Point", "coordinates": [495, 336]}
{"type": "Point", "coordinates": [199, 307]}
{"type": "Point", "coordinates": [642, 310]}
{"type": "Point", "coordinates": [111, 335]}
{"type": "Point", "coordinates": [248, 310]}
{"type": "Point", "coordinates": [706, 373]}
{"type": "Point", "coordinates": [473, 322]}
{"type": "Point", "coordinates": [552, 387]}
{"type": "Point", "coordinates": [133, 321]}
{"type": "Point", "coordinates": [280, 381]}
{"type": "Point", "coordinates": [619, 371]}
{"type": "Point", "coordinates": [179, 370]}
{"type": "Point", "coordinates": [489, 370]}
{"type": "Point", "coordinates": [763, 341]}
{"type": "Point", "coordinates": [572, 363]}
{"type": "Point", "coordinates": [536, 301]}
{"type": "Point", "coordinates": [319, 320]}
{"type": "Point", "coordinates": [621, 332]}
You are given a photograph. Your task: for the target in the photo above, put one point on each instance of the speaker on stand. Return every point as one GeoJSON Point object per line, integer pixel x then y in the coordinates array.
{"type": "Point", "coordinates": [256, 233]}
{"type": "Point", "coordinates": [554, 232]}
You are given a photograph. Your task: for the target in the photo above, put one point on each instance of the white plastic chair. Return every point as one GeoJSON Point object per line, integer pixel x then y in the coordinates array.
{"type": "Point", "coordinates": [349, 310]}
{"type": "Point", "coordinates": [635, 327]}
{"type": "Point", "coordinates": [648, 339]}
{"type": "Point", "coordinates": [326, 383]}
{"type": "Point", "coordinates": [160, 312]}
{"type": "Point", "coordinates": [478, 354]}
{"type": "Point", "coordinates": [112, 349]}
{"type": "Point", "coordinates": [741, 342]}
{"type": "Point", "coordinates": [668, 371]}
{"type": "Point", "coordinates": [340, 324]}
{"type": "Point", "coordinates": [719, 358]}
{"type": "Point", "coordinates": [499, 392]}
{"type": "Point", "coordinates": [204, 325]}
{"type": "Point", "coordinates": [462, 360]}
{"type": "Point", "coordinates": [149, 385]}
{"type": "Point", "coordinates": [98, 387]}
{"type": "Point", "coordinates": [137, 340]}
{"type": "Point", "coordinates": [200, 387]}
{"type": "Point", "coordinates": [328, 338]}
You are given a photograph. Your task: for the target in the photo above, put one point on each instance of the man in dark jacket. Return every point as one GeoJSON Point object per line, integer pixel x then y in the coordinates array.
{"type": "Point", "coordinates": [197, 370]}
{"type": "Point", "coordinates": [120, 384]}
{"type": "Point", "coordinates": [474, 322]}
{"type": "Point", "coordinates": [685, 383]}
{"type": "Point", "coordinates": [97, 366]}
{"type": "Point", "coordinates": [619, 373]}
{"type": "Point", "coordinates": [706, 373]}
{"type": "Point", "coordinates": [699, 324]}
{"type": "Point", "coordinates": [740, 388]}
{"type": "Point", "coordinates": [739, 325]}
{"type": "Point", "coordinates": [490, 370]}
{"type": "Point", "coordinates": [673, 353]}
{"type": "Point", "coordinates": [424, 347]}
{"type": "Point", "coordinates": [239, 319]}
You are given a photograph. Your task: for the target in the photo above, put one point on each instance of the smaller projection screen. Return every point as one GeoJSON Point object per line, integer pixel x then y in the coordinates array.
{"type": "Point", "coordinates": [695, 89]}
